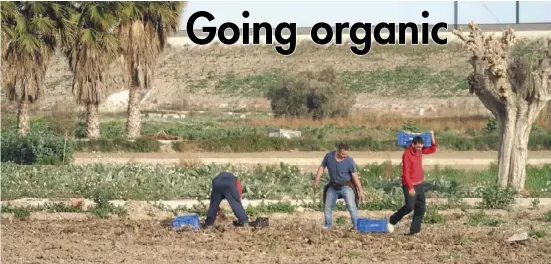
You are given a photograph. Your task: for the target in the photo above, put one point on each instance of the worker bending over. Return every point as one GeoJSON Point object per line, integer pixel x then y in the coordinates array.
{"type": "Point", "coordinates": [226, 186]}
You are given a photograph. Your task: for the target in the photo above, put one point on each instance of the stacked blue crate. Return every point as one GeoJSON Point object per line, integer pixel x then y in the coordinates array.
{"type": "Point", "coordinates": [183, 220]}
{"type": "Point", "coordinates": [366, 225]}
{"type": "Point", "coordinates": [404, 139]}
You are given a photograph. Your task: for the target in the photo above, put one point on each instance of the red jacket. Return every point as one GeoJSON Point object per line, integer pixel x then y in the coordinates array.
{"type": "Point", "coordinates": [412, 165]}
{"type": "Point", "coordinates": [239, 190]}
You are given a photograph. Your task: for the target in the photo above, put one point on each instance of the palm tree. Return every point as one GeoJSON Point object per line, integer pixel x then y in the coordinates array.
{"type": "Point", "coordinates": [31, 31]}
{"type": "Point", "coordinates": [143, 34]}
{"type": "Point", "coordinates": [92, 49]}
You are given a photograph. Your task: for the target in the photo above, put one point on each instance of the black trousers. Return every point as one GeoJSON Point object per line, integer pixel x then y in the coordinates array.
{"type": "Point", "coordinates": [416, 203]}
{"type": "Point", "coordinates": [223, 187]}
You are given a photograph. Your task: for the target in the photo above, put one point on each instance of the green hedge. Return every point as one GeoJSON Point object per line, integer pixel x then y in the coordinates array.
{"type": "Point", "coordinates": [41, 146]}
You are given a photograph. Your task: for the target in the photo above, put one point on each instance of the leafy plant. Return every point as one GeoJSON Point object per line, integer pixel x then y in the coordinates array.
{"type": "Point", "coordinates": [495, 197]}
{"type": "Point", "coordinates": [37, 147]}
{"type": "Point", "coordinates": [482, 219]}
{"type": "Point", "coordinates": [433, 217]}
{"type": "Point", "coordinates": [491, 126]}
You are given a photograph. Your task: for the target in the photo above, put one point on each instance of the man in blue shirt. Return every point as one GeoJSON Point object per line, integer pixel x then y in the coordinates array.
{"type": "Point", "coordinates": [343, 182]}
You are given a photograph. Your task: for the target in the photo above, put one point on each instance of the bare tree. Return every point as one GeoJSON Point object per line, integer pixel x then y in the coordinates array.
{"type": "Point", "coordinates": [515, 90]}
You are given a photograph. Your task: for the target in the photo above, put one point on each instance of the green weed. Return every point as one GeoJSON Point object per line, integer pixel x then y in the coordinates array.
{"type": "Point", "coordinates": [495, 197]}
{"type": "Point", "coordinates": [482, 219]}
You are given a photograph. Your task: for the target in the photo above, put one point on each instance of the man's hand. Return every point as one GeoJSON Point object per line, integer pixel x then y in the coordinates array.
{"type": "Point", "coordinates": [318, 176]}
{"type": "Point", "coordinates": [316, 183]}
{"type": "Point", "coordinates": [432, 135]}
{"type": "Point", "coordinates": [361, 196]}
{"type": "Point", "coordinates": [412, 192]}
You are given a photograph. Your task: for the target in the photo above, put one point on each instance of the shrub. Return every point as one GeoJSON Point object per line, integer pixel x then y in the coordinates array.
{"type": "Point", "coordinates": [141, 144]}
{"type": "Point", "coordinates": [495, 197]}
{"type": "Point", "coordinates": [313, 95]}
{"type": "Point", "coordinates": [39, 146]}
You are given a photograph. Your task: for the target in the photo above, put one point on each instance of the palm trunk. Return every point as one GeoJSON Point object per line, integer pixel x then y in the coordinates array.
{"type": "Point", "coordinates": [133, 124]}
{"type": "Point", "coordinates": [23, 119]}
{"type": "Point", "coordinates": [92, 120]}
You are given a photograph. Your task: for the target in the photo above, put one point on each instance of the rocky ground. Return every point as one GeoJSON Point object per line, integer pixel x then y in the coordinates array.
{"type": "Point", "coordinates": [296, 238]}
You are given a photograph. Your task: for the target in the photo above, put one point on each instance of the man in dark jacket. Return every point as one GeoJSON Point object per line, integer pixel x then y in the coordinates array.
{"type": "Point", "coordinates": [226, 186]}
{"type": "Point", "coordinates": [412, 184]}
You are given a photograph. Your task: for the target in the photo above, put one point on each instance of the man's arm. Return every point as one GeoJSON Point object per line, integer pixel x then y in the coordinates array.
{"type": "Point", "coordinates": [432, 148]}
{"type": "Point", "coordinates": [406, 171]}
{"type": "Point", "coordinates": [354, 174]}
{"type": "Point", "coordinates": [320, 171]}
{"type": "Point", "coordinates": [239, 188]}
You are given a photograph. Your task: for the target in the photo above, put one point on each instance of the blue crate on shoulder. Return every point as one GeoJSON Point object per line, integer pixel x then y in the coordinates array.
{"type": "Point", "coordinates": [182, 220]}
{"type": "Point", "coordinates": [404, 139]}
{"type": "Point", "coordinates": [366, 225]}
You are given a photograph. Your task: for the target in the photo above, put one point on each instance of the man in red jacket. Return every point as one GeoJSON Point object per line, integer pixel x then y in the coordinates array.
{"type": "Point", "coordinates": [226, 186]}
{"type": "Point", "coordinates": [412, 184]}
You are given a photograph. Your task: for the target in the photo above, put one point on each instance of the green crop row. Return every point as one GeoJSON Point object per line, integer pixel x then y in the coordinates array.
{"type": "Point", "coordinates": [271, 182]}
{"type": "Point", "coordinates": [213, 134]}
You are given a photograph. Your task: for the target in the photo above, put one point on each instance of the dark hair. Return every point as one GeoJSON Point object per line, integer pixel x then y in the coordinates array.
{"type": "Point", "coordinates": [417, 140]}
{"type": "Point", "coordinates": [342, 146]}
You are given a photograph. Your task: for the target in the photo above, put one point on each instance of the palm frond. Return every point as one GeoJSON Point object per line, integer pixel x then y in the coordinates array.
{"type": "Point", "coordinates": [32, 34]}
{"type": "Point", "coordinates": [93, 49]}
{"type": "Point", "coordinates": [143, 34]}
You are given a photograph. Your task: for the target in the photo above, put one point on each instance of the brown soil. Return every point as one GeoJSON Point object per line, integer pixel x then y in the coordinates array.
{"type": "Point", "coordinates": [290, 239]}
{"type": "Point", "coordinates": [144, 211]}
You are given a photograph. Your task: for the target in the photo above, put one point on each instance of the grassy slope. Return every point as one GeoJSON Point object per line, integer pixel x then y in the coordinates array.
{"type": "Point", "coordinates": [247, 71]}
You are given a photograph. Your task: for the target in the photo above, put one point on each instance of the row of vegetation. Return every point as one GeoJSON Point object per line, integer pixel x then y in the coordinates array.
{"type": "Point", "coordinates": [381, 182]}
{"type": "Point", "coordinates": [47, 144]}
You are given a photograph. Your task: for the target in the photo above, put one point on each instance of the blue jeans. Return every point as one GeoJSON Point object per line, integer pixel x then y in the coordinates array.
{"type": "Point", "coordinates": [331, 199]}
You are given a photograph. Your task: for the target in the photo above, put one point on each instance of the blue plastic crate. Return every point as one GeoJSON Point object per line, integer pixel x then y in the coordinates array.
{"type": "Point", "coordinates": [182, 220]}
{"type": "Point", "coordinates": [366, 225]}
{"type": "Point", "coordinates": [404, 139]}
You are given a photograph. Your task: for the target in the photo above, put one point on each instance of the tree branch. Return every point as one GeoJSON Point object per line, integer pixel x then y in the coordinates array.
{"type": "Point", "coordinates": [490, 61]}
{"type": "Point", "coordinates": [542, 76]}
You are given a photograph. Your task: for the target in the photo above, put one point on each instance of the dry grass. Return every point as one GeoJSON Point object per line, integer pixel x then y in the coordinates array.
{"type": "Point", "coordinates": [190, 162]}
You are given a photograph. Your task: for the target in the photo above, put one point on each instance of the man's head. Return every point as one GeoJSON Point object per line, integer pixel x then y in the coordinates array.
{"type": "Point", "coordinates": [342, 150]}
{"type": "Point", "coordinates": [417, 143]}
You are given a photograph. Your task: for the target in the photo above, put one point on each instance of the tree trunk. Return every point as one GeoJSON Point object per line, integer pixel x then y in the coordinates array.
{"type": "Point", "coordinates": [92, 120]}
{"type": "Point", "coordinates": [133, 124]}
{"type": "Point", "coordinates": [544, 118]}
{"type": "Point", "coordinates": [515, 127]}
{"type": "Point", "coordinates": [23, 118]}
